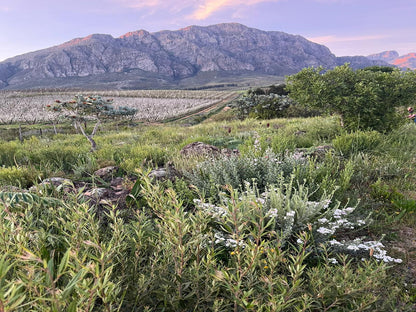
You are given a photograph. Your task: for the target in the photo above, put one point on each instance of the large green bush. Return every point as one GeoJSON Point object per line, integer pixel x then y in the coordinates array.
{"type": "Point", "coordinates": [364, 99]}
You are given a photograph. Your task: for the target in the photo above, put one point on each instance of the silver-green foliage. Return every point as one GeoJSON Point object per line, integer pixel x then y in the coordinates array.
{"type": "Point", "coordinates": [262, 106]}
{"type": "Point", "coordinates": [263, 170]}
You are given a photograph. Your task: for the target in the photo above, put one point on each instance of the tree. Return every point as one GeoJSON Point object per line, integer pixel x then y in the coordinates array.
{"type": "Point", "coordinates": [364, 99]}
{"type": "Point", "coordinates": [84, 108]}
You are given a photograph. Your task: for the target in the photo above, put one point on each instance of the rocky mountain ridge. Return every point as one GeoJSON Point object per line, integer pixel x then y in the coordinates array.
{"type": "Point", "coordinates": [393, 58]}
{"type": "Point", "coordinates": [140, 58]}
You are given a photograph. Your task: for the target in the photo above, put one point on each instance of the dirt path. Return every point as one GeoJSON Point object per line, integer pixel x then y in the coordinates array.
{"type": "Point", "coordinates": [228, 99]}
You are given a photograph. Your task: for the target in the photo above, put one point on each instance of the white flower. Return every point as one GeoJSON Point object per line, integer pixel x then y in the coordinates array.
{"type": "Point", "coordinates": [324, 230]}
{"type": "Point", "coordinates": [335, 242]}
{"type": "Point", "coordinates": [272, 213]}
{"type": "Point", "coordinates": [290, 213]}
{"type": "Point", "coordinates": [332, 260]}
{"type": "Point", "coordinates": [353, 247]}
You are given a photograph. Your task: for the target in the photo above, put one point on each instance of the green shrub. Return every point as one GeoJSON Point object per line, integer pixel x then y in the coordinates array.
{"type": "Point", "coordinates": [18, 176]}
{"type": "Point", "coordinates": [355, 142]}
{"type": "Point", "coordinates": [210, 175]}
{"type": "Point", "coordinates": [165, 257]}
{"type": "Point", "coordinates": [7, 152]}
{"type": "Point", "coordinates": [352, 287]}
{"type": "Point", "coordinates": [149, 155]}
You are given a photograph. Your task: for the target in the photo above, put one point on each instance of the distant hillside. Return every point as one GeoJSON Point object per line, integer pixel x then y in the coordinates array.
{"type": "Point", "coordinates": [163, 59]}
{"type": "Point", "coordinates": [392, 57]}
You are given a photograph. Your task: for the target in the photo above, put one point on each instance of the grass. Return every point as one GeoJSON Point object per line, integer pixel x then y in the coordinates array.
{"type": "Point", "coordinates": [255, 244]}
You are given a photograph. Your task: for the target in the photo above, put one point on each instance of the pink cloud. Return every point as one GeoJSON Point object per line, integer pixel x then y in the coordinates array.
{"type": "Point", "coordinates": [209, 7]}
{"type": "Point", "coordinates": [201, 9]}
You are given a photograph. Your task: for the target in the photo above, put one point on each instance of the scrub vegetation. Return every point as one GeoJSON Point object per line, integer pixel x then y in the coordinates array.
{"type": "Point", "coordinates": [295, 212]}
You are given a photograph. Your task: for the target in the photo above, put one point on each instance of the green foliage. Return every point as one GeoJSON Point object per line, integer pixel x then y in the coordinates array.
{"type": "Point", "coordinates": [364, 99]}
{"type": "Point", "coordinates": [84, 108]}
{"type": "Point", "coordinates": [211, 175]}
{"type": "Point", "coordinates": [18, 176]}
{"type": "Point", "coordinates": [355, 142]}
{"type": "Point", "coordinates": [262, 106]}
{"type": "Point", "coordinates": [365, 287]}
{"type": "Point", "coordinates": [144, 155]}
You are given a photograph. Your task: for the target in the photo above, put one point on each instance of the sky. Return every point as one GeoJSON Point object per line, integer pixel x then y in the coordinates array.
{"type": "Point", "coordinates": [346, 27]}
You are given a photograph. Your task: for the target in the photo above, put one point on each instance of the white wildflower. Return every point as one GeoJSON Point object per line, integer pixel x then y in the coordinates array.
{"type": "Point", "coordinates": [290, 213]}
{"type": "Point", "coordinates": [324, 230]}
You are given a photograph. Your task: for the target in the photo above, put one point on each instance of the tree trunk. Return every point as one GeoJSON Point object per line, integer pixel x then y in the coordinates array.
{"type": "Point", "coordinates": [90, 137]}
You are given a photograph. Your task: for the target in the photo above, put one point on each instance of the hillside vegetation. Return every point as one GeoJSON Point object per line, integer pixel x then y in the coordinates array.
{"type": "Point", "coordinates": [284, 214]}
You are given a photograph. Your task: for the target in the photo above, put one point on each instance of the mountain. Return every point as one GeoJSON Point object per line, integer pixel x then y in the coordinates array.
{"type": "Point", "coordinates": [392, 57]}
{"type": "Point", "coordinates": [141, 59]}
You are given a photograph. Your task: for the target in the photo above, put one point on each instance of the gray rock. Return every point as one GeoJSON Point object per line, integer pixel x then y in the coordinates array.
{"type": "Point", "coordinates": [98, 192]}
{"type": "Point", "coordinates": [168, 173]}
{"type": "Point", "coordinates": [106, 173]}
{"type": "Point", "coordinates": [64, 184]}
{"type": "Point", "coordinates": [200, 149]}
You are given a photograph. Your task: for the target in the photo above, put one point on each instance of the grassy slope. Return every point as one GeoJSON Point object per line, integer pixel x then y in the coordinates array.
{"type": "Point", "coordinates": [384, 173]}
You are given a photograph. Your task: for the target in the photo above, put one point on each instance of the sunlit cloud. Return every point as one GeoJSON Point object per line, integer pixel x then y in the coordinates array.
{"type": "Point", "coordinates": [209, 7]}
{"type": "Point", "coordinates": [200, 9]}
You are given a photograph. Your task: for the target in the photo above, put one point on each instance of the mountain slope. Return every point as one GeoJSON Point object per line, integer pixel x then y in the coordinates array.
{"type": "Point", "coordinates": [143, 59]}
{"type": "Point", "coordinates": [392, 57]}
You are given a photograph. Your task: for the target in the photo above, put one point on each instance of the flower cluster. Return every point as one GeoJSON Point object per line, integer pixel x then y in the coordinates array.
{"type": "Point", "coordinates": [373, 249]}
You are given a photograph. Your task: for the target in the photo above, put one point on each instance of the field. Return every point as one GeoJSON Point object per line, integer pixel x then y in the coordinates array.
{"type": "Point", "coordinates": [286, 214]}
{"type": "Point", "coordinates": [30, 107]}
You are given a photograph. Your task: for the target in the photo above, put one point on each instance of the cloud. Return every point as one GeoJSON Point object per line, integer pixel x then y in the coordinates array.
{"type": "Point", "coordinates": [5, 9]}
{"type": "Point", "coordinates": [162, 4]}
{"type": "Point", "coordinates": [332, 39]}
{"type": "Point", "coordinates": [200, 9]}
{"type": "Point", "coordinates": [209, 7]}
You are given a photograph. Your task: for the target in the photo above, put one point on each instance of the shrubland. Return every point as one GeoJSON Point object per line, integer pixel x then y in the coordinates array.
{"type": "Point", "coordinates": [307, 216]}
{"type": "Point", "coordinates": [278, 228]}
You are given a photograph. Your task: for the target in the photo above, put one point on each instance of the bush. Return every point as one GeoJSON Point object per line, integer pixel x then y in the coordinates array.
{"type": "Point", "coordinates": [148, 155]}
{"type": "Point", "coordinates": [18, 176]}
{"type": "Point", "coordinates": [355, 142]}
{"type": "Point", "coordinates": [210, 175]}
{"type": "Point", "coordinates": [262, 106]}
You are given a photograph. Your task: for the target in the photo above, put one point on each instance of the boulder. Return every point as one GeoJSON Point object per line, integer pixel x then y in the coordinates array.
{"type": "Point", "coordinates": [199, 148]}
{"type": "Point", "coordinates": [106, 173]}
{"type": "Point", "coordinates": [168, 173]}
{"type": "Point", "coordinates": [203, 149]}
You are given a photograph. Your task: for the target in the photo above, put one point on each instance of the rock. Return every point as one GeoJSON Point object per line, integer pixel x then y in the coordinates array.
{"type": "Point", "coordinates": [320, 151]}
{"type": "Point", "coordinates": [168, 173]}
{"type": "Point", "coordinates": [199, 148]}
{"type": "Point", "coordinates": [53, 182]}
{"type": "Point", "coordinates": [98, 192]}
{"type": "Point", "coordinates": [230, 152]}
{"type": "Point", "coordinates": [57, 181]}
{"type": "Point", "coordinates": [106, 173]}
{"type": "Point", "coordinates": [203, 149]}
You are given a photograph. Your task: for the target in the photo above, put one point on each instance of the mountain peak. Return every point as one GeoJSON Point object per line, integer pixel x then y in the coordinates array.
{"type": "Point", "coordinates": [226, 49]}
{"type": "Point", "coordinates": [385, 56]}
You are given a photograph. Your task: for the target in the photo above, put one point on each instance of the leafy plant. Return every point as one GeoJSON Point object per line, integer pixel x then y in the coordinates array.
{"type": "Point", "coordinates": [83, 108]}
{"type": "Point", "coordinates": [364, 99]}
